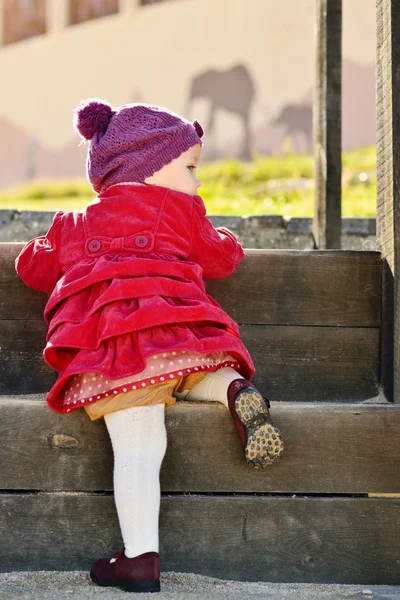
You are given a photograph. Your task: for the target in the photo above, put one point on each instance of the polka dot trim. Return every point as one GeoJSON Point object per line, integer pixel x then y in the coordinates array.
{"type": "Point", "coordinates": [83, 385]}
{"type": "Point", "coordinates": [73, 405]}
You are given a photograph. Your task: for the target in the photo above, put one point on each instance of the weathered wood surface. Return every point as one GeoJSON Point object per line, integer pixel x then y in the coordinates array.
{"type": "Point", "coordinates": [306, 364]}
{"type": "Point", "coordinates": [328, 124]}
{"type": "Point", "coordinates": [312, 364]}
{"type": "Point", "coordinates": [387, 341]}
{"type": "Point", "coordinates": [329, 449]}
{"type": "Point", "coordinates": [22, 369]}
{"type": "Point", "coordinates": [388, 132]}
{"type": "Point", "coordinates": [273, 287]}
{"type": "Point", "coordinates": [388, 174]}
{"type": "Point", "coordinates": [295, 289]}
{"type": "Point", "coordinates": [343, 540]}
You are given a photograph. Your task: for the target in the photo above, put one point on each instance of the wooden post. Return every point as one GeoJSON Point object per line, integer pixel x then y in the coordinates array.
{"type": "Point", "coordinates": [328, 124]}
{"type": "Point", "coordinates": [388, 167]}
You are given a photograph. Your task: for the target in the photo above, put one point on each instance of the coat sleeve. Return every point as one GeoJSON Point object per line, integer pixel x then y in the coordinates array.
{"type": "Point", "coordinates": [216, 250]}
{"type": "Point", "coordinates": [38, 263]}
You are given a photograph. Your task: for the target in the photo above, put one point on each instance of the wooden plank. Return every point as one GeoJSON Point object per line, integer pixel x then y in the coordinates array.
{"type": "Point", "coordinates": [303, 364]}
{"type": "Point", "coordinates": [17, 301]}
{"type": "Point", "coordinates": [387, 341]}
{"type": "Point", "coordinates": [388, 174]}
{"type": "Point", "coordinates": [22, 368]}
{"type": "Point", "coordinates": [337, 288]}
{"type": "Point", "coordinates": [341, 540]}
{"type": "Point", "coordinates": [273, 287]}
{"type": "Point", "coordinates": [340, 449]}
{"type": "Point", "coordinates": [328, 124]}
{"type": "Point", "coordinates": [313, 364]}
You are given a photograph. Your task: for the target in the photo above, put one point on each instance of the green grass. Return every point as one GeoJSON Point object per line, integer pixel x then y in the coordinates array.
{"type": "Point", "coordinates": [232, 187]}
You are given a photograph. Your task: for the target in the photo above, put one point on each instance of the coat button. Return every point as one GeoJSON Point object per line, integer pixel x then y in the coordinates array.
{"type": "Point", "coordinates": [141, 241]}
{"type": "Point", "coordinates": [94, 246]}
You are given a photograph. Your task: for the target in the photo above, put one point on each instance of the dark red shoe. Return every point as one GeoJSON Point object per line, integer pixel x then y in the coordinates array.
{"type": "Point", "coordinates": [261, 439]}
{"type": "Point", "coordinates": [139, 574]}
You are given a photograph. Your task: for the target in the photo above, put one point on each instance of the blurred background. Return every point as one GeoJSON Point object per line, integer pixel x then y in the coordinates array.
{"type": "Point", "coordinates": [243, 68]}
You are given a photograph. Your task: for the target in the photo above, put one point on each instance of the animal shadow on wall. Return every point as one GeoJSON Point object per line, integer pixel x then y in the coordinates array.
{"type": "Point", "coordinates": [297, 120]}
{"type": "Point", "coordinates": [232, 90]}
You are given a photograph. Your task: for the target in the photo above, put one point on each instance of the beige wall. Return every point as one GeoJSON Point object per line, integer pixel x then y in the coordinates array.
{"type": "Point", "coordinates": [154, 53]}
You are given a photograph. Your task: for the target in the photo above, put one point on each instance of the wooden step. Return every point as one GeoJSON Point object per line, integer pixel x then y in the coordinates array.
{"type": "Point", "coordinates": [337, 288]}
{"type": "Point", "coordinates": [304, 519]}
{"type": "Point", "coordinates": [294, 364]}
{"type": "Point", "coordinates": [340, 540]}
{"type": "Point", "coordinates": [311, 321]}
{"type": "Point", "coordinates": [330, 449]}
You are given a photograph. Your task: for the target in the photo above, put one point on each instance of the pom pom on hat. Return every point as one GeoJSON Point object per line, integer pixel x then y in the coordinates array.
{"type": "Point", "coordinates": [91, 117]}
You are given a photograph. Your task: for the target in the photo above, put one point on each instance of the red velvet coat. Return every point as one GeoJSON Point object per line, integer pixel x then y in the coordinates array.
{"type": "Point", "coordinates": [125, 278]}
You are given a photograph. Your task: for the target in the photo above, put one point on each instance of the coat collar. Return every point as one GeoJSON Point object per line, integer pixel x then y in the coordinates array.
{"type": "Point", "coordinates": [128, 206]}
{"type": "Point", "coordinates": [132, 191]}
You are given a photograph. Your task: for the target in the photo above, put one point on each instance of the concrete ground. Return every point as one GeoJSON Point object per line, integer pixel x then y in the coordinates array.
{"type": "Point", "coordinates": [49, 585]}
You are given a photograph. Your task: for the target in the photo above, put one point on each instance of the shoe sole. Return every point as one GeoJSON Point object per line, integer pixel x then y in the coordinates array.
{"type": "Point", "coordinates": [264, 444]}
{"type": "Point", "coordinates": [129, 586]}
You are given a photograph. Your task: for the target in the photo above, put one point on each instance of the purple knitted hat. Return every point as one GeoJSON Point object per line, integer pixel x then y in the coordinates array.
{"type": "Point", "coordinates": [131, 143]}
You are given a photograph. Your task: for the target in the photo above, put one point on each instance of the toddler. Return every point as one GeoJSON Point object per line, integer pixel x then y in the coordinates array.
{"type": "Point", "coordinates": [131, 327]}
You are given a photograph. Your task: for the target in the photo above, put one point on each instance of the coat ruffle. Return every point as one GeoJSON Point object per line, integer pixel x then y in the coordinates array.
{"type": "Point", "coordinates": [127, 355]}
{"type": "Point", "coordinates": [112, 307]}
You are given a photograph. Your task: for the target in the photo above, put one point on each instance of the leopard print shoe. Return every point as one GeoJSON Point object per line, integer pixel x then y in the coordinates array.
{"type": "Point", "coordinates": [260, 438]}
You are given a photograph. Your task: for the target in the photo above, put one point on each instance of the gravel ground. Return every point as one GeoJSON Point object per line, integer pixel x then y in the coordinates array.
{"type": "Point", "coordinates": [49, 585]}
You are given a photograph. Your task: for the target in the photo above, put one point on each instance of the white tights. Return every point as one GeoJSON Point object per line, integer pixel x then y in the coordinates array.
{"type": "Point", "coordinates": [139, 443]}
